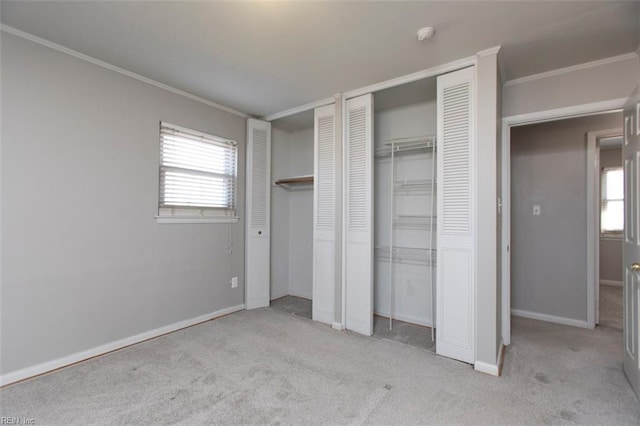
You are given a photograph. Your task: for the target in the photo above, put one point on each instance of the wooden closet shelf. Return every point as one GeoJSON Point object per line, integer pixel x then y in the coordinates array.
{"type": "Point", "coordinates": [298, 180]}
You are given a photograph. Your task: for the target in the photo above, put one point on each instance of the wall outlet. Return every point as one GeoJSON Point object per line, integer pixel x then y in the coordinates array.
{"type": "Point", "coordinates": [536, 210]}
{"type": "Point", "coordinates": [234, 282]}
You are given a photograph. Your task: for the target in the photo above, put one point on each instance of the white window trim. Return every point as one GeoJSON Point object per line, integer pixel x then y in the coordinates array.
{"type": "Point", "coordinates": [608, 234]}
{"type": "Point", "coordinates": [168, 220]}
{"type": "Point", "coordinates": [198, 219]}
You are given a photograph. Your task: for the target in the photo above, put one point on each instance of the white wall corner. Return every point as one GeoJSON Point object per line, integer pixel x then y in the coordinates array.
{"type": "Point", "coordinates": [495, 51]}
{"type": "Point", "coordinates": [48, 366]}
{"type": "Point", "coordinates": [337, 326]}
{"type": "Point", "coordinates": [501, 69]}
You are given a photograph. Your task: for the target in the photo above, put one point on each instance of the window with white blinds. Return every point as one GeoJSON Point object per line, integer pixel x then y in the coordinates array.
{"type": "Point", "coordinates": [198, 173]}
{"type": "Point", "coordinates": [611, 200]}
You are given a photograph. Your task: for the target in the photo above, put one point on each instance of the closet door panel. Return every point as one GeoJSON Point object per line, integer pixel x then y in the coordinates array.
{"type": "Point", "coordinates": [324, 211]}
{"type": "Point", "coordinates": [456, 233]}
{"type": "Point", "coordinates": [257, 268]}
{"type": "Point", "coordinates": [359, 214]}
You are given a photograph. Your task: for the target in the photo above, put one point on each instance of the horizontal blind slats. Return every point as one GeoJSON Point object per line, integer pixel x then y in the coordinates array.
{"type": "Point", "coordinates": [198, 172]}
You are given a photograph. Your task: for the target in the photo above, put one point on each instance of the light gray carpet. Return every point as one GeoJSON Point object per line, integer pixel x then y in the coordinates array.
{"type": "Point", "coordinates": [403, 332]}
{"type": "Point", "coordinates": [264, 366]}
{"type": "Point", "coordinates": [611, 306]}
{"type": "Point", "coordinates": [293, 305]}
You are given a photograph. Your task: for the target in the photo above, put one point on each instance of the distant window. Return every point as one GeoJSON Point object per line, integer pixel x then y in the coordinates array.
{"type": "Point", "coordinates": [198, 174]}
{"type": "Point", "coordinates": [612, 200]}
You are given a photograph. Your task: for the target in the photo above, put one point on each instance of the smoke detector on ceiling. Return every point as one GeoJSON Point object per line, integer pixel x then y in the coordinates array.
{"type": "Point", "coordinates": [426, 33]}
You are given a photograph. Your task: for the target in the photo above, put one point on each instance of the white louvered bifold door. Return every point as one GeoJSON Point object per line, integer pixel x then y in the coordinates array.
{"type": "Point", "coordinates": [258, 191]}
{"type": "Point", "coordinates": [456, 233]}
{"type": "Point", "coordinates": [359, 214]}
{"type": "Point", "coordinates": [324, 214]}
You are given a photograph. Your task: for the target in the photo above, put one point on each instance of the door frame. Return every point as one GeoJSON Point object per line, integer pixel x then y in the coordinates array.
{"type": "Point", "coordinates": [508, 122]}
{"type": "Point", "coordinates": [593, 221]}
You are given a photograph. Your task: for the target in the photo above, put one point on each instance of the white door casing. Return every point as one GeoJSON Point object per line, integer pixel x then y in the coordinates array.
{"type": "Point", "coordinates": [455, 311]}
{"type": "Point", "coordinates": [258, 195]}
{"type": "Point", "coordinates": [359, 214]}
{"type": "Point", "coordinates": [324, 214]}
{"type": "Point", "coordinates": [631, 244]}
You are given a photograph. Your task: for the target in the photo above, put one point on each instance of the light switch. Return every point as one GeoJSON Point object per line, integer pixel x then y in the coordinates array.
{"type": "Point", "coordinates": [536, 210]}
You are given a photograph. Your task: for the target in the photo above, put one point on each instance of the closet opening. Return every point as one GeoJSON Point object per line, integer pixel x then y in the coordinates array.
{"type": "Point", "coordinates": [404, 200]}
{"type": "Point", "coordinates": [292, 168]}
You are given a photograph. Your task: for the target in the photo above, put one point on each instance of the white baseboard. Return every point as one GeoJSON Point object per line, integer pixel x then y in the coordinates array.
{"type": "Point", "coordinates": [485, 367]}
{"type": "Point", "coordinates": [611, 283]}
{"type": "Point", "coordinates": [550, 318]}
{"type": "Point", "coordinates": [45, 367]}
{"type": "Point", "coordinates": [337, 326]}
{"type": "Point", "coordinates": [488, 368]}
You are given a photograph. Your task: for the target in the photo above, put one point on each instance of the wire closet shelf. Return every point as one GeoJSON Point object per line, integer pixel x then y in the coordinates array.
{"type": "Point", "coordinates": [427, 186]}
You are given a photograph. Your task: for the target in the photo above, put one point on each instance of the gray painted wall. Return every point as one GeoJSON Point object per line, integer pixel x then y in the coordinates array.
{"type": "Point", "coordinates": [84, 262]}
{"type": "Point", "coordinates": [291, 215]}
{"type": "Point", "coordinates": [301, 216]}
{"type": "Point", "coordinates": [609, 81]}
{"type": "Point", "coordinates": [279, 215]}
{"type": "Point", "coordinates": [611, 248]}
{"type": "Point", "coordinates": [548, 252]}
{"type": "Point", "coordinates": [412, 292]}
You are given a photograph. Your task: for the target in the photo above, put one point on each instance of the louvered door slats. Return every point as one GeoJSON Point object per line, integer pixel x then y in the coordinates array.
{"type": "Point", "coordinates": [359, 215]}
{"type": "Point", "coordinates": [257, 254]}
{"type": "Point", "coordinates": [324, 231]}
{"type": "Point", "coordinates": [455, 282]}
{"type": "Point", "coordinates": [259, 178]}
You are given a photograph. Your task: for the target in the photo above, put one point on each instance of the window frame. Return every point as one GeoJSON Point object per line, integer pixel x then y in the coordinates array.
{"type": "Point", "coordinates": [610, 234]}
{"type": "Point", "coordinates": [182, 214]}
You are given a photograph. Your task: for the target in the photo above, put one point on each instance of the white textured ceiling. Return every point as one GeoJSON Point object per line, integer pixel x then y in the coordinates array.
{"type": "Point", "coordinates": [264, 57]}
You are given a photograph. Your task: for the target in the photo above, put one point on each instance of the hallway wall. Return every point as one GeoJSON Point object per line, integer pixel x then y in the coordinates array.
{"type": "Point", "coordinates": [548, 258]}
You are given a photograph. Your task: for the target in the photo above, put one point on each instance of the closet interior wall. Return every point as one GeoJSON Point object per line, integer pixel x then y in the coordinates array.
{"type": "Point", "coordinates": [402, 113]}
{"type": "Point", "coordinates": [292, 207]}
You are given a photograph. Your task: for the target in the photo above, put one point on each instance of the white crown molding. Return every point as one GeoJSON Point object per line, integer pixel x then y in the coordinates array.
{"type": "Point", "coordinates": [98, 62]}
{"type": "Point", "coordinates": [559, 71]}
{"type": "Point", "coordinates": [298, 109]}
{"type": "Point", "coordinates": [47, 366]}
